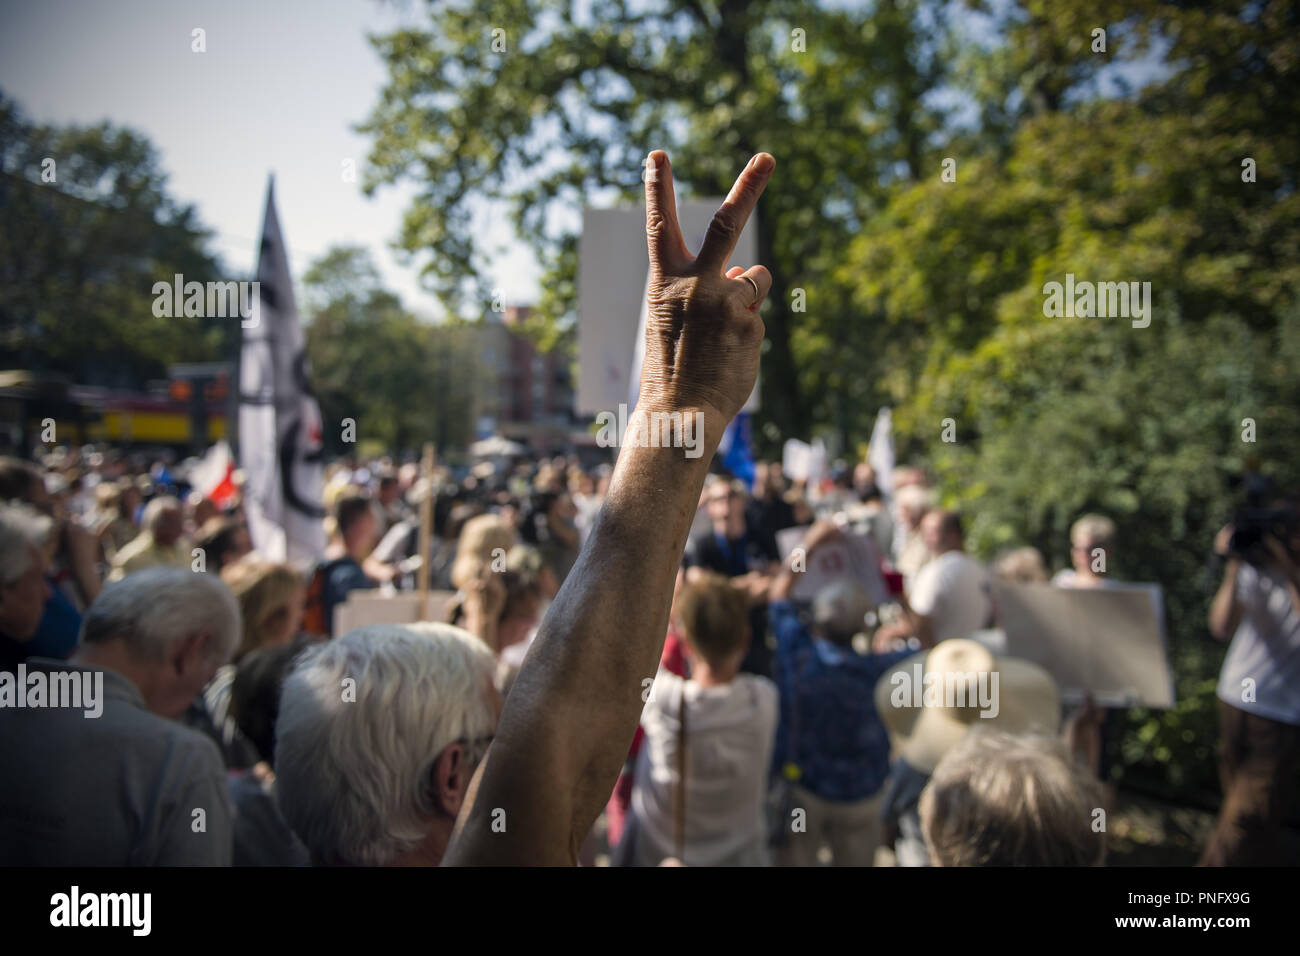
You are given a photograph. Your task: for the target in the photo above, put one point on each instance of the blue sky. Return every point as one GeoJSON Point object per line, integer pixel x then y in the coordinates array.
{"type": "Point", "coordinates": [279, 89]}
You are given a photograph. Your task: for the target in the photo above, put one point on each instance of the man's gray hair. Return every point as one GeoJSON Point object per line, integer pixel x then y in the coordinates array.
{"type": "Point", "coordinates": [21, 529]}
{"type": "Point", "coordinates": [840, 609]}
{"type": "Point", "coordinates": [362, 720]}
{"type": "Point", "coordinates": [155, 509]}
{"type": "Point", "coordinates": [152, 608]}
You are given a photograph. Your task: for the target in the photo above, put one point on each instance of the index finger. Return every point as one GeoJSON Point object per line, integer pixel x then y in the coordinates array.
{"type": "Point", "coordinates": [729, 221]}
{"type": "Point", "coordinates": [667, 247]}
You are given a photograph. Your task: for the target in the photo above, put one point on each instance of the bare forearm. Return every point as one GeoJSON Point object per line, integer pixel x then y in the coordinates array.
{"type": "Point", "coordinates": [608, 627]}
{"type": "Point", "coordinates": [82, 552]}
{"type": "Point", "coordinates": [1293, 590]}
{"type": "Point", "coordinates": [573, 710]}
{"type": "Point", "coordinates": [574, 707]}
{"type": "Point", "coordinates": [484, 628]}
{"type": "Point", "coordinates": [1224, 613]}
{"type": "Point", "coordinates": [782, 585]}
{"type": "Point", "coordinates": [923, 629]}
{"type": "Point", "coordinates": [1291, 575]}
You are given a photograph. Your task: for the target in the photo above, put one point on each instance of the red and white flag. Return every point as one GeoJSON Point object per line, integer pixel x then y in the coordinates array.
{"type": "Point", "coordinates": [214, 476]}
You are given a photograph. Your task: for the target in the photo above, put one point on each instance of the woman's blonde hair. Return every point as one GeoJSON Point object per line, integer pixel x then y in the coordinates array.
{"type": "Point", "coordinates": [714, 617]}
{"type": "Point", "coordinates": [480, 537]}
{"type": "Point", "coordinates": [263, 589]}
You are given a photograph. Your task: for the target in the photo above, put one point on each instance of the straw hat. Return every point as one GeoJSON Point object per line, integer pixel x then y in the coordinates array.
{"type": "Point", "coordinates": [930, 700]}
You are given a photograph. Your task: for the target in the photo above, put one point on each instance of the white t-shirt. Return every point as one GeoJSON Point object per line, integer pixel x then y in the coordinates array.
{"type": "Point", "coordinates": [730, 732]}
{"type": "Point", "coordinates": [1265, 649]}
{"type": "Point", "coordinates": [953, 591]}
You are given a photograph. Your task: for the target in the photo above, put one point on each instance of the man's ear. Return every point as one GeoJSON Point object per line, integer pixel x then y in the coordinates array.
{"type": "Point", "coordinates": [188, 652]}
{"type": "Point", "coordinates": [449, 779]}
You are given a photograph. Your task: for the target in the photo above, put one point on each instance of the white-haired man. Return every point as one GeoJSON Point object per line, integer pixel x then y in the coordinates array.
{"type": "Point", "coordinates": [378, 735]}
{"type": "Point", "coordinates": [101, 774]}
{"type": "Point", "coordinates": [160, 543]}
{"type": "Point", "coordinates": [23, 588]}
{"type": "Point", "coordinates": [911, 504]}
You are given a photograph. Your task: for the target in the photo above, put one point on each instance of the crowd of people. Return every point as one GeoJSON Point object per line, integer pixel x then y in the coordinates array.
{"type": "Point", "coordinates": [767, 734]}
{"type": "Point", "coordinates": [626, 670]}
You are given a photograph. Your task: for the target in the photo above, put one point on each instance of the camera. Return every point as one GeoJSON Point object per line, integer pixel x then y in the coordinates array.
{"type": "Point", "coordinates": [1253, 526]}
{"type": "Point", "coordinates": [1262, 515]}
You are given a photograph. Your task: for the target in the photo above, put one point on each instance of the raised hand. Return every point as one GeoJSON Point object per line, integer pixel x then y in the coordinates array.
{"type": "Point", "coordinates": [574, 708]}
{"type": "Point", "coordinates": [703, 331]}
{"type": "Point", "coordinates": [820, 533]}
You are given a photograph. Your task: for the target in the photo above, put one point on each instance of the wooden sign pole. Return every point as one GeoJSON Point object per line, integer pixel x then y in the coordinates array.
{"type": "Point", "coordinates": [426, 529]}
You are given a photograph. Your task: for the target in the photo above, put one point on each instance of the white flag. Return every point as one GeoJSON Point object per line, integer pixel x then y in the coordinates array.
{"type": "Point", "coordinates": [279, 420]}
{"type": "Point", "coordinates": [880, 453]}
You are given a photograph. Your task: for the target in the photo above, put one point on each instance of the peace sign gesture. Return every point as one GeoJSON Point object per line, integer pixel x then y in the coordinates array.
{"type": "Point", "coordinates": [703, 331]}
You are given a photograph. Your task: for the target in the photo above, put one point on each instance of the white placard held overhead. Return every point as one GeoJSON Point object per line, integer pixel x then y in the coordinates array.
{"type": "Point", "coordinates": [613, 258]}
{"type": "Point", "coordinates": [1106, 641]}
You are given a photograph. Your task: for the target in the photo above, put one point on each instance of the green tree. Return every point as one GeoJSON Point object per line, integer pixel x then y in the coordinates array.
{"type": "Point", "coordinates": [1057, 416]}
{"type": "Point", "coordinates": [79, 255]}
{"type": "Point", "coordinates": [840, 97]}
{"type": "Point", "coordinates": [403, 382]}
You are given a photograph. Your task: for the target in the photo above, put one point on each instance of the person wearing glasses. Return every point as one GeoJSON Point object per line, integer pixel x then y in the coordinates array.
{"type": "Point", "coordinates": [378, 734]}
{"type": "Point", "coordinates": [1091, 540]}
{"type": "Point", "coordinates": [730, 546]}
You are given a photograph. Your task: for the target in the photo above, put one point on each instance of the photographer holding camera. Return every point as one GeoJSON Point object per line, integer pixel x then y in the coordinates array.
{"type": "Point", "coordinates": [1258, 606]}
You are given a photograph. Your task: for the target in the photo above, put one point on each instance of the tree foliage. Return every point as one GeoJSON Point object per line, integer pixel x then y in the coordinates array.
{"type": "Point", "coordinates": [566, 113]}
{"type": "Point", "coordinates": [401, 381]}
{"type": "Point", "coordinates": [79, 256]}
{"type": "Point", "coordinates": [1057, 416]}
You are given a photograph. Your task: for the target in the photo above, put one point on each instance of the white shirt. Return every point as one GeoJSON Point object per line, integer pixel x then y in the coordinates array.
{"type": "Point", "coordinates": [730, 732]}
{"type": "Point", "coordinates": [1265, 650]}
{"type": "Point", "coordinates": [953, 591]}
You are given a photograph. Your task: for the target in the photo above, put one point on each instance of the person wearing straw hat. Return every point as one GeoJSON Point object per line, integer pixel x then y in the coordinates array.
{"type": "Point", "coordinates": [931, 700]}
